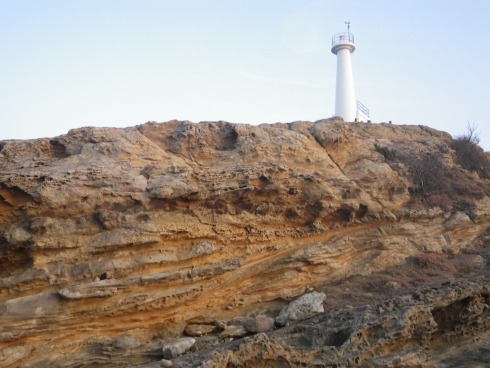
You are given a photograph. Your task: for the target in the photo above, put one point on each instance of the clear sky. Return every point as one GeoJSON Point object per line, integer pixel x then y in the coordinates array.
{"type": "Point", "coordinates": [67, 64]}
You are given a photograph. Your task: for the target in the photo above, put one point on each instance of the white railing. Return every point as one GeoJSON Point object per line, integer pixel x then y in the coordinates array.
{"type": "Point", "coordinates": [363, 109]}
{"type": "Point", "coordinates": [342, 37]}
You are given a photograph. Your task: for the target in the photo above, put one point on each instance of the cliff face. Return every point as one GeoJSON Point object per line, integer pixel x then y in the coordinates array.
{"type": "Point", "coordinates": [114, 240]}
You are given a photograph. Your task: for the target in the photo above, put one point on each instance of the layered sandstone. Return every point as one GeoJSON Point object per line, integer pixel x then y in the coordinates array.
{"type": "Point", "coordinates": [114, 240]}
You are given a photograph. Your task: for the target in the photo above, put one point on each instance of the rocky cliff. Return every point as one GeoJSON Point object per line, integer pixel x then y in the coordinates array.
{"type": "Point", "coordinates": [116, 243]}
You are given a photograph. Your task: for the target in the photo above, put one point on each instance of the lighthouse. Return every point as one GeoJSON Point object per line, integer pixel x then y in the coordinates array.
{"type": "Point", "coordinates": [346, 105]}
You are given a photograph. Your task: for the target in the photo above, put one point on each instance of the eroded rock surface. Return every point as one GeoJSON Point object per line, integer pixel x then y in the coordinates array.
{"type": "Point", "coordinates": [302, 308]}
{"type": "Point", "coordinates": [444, 326]}
{"type": "Point", "coordinates": [175, 347]}
{"type": "Point", "coordinates": [113, 240]}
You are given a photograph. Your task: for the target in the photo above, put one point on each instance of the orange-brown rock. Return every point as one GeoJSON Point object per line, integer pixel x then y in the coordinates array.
{"type": "Point", "coordinates": [112, 240]}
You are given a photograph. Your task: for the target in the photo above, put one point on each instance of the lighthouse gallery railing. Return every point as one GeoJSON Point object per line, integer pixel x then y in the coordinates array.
{"type": "Point", "coordinates": [342, 37]}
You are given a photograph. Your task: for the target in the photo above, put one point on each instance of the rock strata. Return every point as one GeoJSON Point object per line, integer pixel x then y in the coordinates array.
{"type": "Point", "coordinates": [113, 241]}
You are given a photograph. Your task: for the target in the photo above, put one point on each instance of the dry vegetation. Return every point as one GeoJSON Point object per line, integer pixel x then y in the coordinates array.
{"type": "Point", "coordinates": [436, 183]}
{"type": "Point", "coordinates": [420, 271]}
{"type": "Point", "coordinates": [469, 155]}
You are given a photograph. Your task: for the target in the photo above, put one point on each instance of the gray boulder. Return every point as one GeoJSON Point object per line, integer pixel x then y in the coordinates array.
{"type": "Point", "coordinates": [302, 308]}
{"type": "Point", "coordinates": [199, 330]}
{"type": "Point", "coordinates": [125, 343]}
{"type": "Point", "coordinates": [233, 331]}
{"type": "Point", "coordinates": [261, 323]}
{"type": "Point", "coordinates": [172, 348]}
{"type": "Point", "coordinates": [167, 363]}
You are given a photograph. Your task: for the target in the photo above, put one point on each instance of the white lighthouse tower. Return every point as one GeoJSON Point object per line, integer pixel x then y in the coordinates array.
{"type": "Point", "coordinates": [346, 105]}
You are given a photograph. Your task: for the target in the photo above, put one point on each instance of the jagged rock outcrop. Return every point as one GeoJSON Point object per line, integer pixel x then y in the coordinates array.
{"type": "Point", "coordinates": [113, 240]}
{"type": "Point", "coordinates": [444, 326]}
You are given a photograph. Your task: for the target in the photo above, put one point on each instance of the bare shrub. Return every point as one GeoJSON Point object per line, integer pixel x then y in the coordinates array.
{"type": "Point", "coordinates": [463, 191]}
{"type": "Point", "coordinates": [436, 265]}
{"type": "Point", "coordinates": [385, 151]}
{"type": "Point", "coordinates": [441, 200]}
{"type": "Point", "coordinates": [471, 134]}
{"type": "Point", "coordinates": [462, 185]}
{"type": "Point", "coordinates": [436, 184]}
{"type": "Point", "coordinates": [469, 155]}
{"type": "Point", "coordinates": [419, 271]}
{"type": "Point", "coordinates": [465, 263]}
{"type": "Point", "coordinates": [375, 283]}
{"type": "Point", "coordinates": [404, 275]}
{"type": "Point", "coordinates": [427, 172]}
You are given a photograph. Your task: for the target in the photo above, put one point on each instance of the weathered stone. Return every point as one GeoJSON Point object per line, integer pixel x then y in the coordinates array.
{"type": "Point", "coordinates": [167, 363]}
{"type": "Point", "coordinates": [304, 307]}
{"type": "Point", "coordinates": [125, 343]}
{"type": "Point", "coordinates": [96, 289]}
{"type": "Point", "coordinates": [261, 323]}
{"type": "Point", "coordinates": [14, 354]}
{"type": "Point", "coordinates": [220, 324]}
{"type": "Point", "coordinates": [234, 331]}
{"type": "Point", "coordinates": [172, 348]}
{"type": "Point", "coordinates": [197, 249]}
{"type": "Point", "coordinates": [198, 330]}
{"type": "Point", "coordinates": [207, 341]}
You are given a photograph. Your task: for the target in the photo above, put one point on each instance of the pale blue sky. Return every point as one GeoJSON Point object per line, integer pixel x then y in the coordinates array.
{"type": "Point", "coordinates": [67, 64]}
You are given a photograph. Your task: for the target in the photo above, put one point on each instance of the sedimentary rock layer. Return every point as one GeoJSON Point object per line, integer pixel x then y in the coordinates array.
{"type": "Point", "coordinates": [136, 233]}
